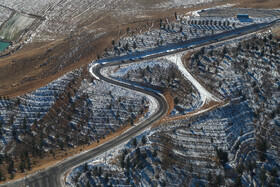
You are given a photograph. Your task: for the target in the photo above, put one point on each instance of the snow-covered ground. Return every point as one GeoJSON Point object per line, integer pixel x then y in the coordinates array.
{"type": "Point", "coordinates": [187, 150]}
{"type": "Point", "coordinates": [86, 109]}
{"type": "Point", "coordinates": [68, 108]}
{"type": "Point", "coordinates": [15, 26]}
{"type": "Point", "coordinates": [103, 161]}
{"type": "Point", "coordinates": [186, 27]}
{"type": "Point", "coordinates": [191, 148]}
{"type": "Point", "coordinates": [31, 7]}
{"type": "Point", "coordinates": [247, 72]}
{"type": "Point", "coordinates": [161, 75]}
{"type": "Point", "coordinates": [65, 17]}
{"type": "Point", "coordinates": [4, 14]}
{"type": "Point", "coordinates": [153, 105]}
{"type": "Point", "coordinates": [205, 95]}
{"type": "Point", "coordinates": [181, 3]}
{"type": "Point", "coordinates": [30, 107]}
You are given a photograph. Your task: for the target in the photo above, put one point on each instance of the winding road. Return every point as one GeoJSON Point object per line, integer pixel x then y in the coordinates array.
{"type": "Point", "coordinates": [53, 176]}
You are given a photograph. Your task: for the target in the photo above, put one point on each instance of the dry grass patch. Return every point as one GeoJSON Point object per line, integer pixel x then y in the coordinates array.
{"type": "Point", "coordinates": [262, 4]}
{"type": "Point", "coordinates": [276, 31]}
{"type": "Point", "coordinates": [21, 72]}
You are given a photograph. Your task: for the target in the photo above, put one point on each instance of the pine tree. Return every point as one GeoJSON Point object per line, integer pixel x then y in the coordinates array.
{"type": "Point", "coordinates": [138, 155]}
{"type": "Point", "coordinates": [10, 167]}
{"type": "Point", "coordinates": [28, 164]}
{"type": "Point", "coordinates": [261, 146]}
{"type": "Point", "coordinates": [218, 180]}
{"type": "Point", "coordinates": [14, 133]}
{"type": "Point", "coordinates": [263, 176]}
{"type": "Point", "coordinates": [1, 125]}
{"type": "Point", "coordinates": [144, 140]}
{"type": "Point", "coordinates": [99, 171]}
{"type": "Point", "coordinates": [134, 142]}
{"type": "Point", "coordinates": [181, 29]}
{"type": "Point", "coordinates": [274, 172]}
{"type": "Point", "coordinates": [1, 176]}
{"type": "Point", "coordinates": [24, 123]}
{"type": "Point", "coordinates": [155, 153]}
{"type": "Point", "coordinates": [85, 167]}
{"type": "Point", "coordinates": [106, 179]}
{"type": "Point", "coordinates": [22, 166]}
{"type": "Point", "coordinates": [122, 158]}
{"type": "Point", "coordinates": [127, 164]}
{"type": "Point", "coordinates": [176, 100]}
{"type": "Point", "coordinates": [209, 177]}
{"type": "Point", "coordinates": [21, 156]}
{"type": "Point", "coordinates": [126, 47]}
{"type": "Point", "coordinates": [12, 175]}
{"type": "Point", "coordinates": [222, 155]}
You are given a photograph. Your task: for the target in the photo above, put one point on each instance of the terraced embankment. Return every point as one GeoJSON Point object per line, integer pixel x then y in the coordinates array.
{"type": "Point", "coordinates": [39, 180]}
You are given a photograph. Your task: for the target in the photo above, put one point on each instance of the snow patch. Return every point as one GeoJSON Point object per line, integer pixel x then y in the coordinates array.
{"type": "Point", "coordinates": [204, 94]}
{"type": "Point", "coordinates": [91, 72]}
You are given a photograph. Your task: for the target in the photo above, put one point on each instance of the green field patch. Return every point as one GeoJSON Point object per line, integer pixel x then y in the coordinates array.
{"type": "Point", "coordinates": [3, 46]}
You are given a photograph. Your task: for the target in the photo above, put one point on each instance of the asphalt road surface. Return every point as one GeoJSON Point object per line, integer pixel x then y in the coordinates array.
{"type": "Point", "coordinates": [51, 177]}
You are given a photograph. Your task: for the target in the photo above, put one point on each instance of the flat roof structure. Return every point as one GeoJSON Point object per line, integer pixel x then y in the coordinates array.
{"type": "Point", "coordinates": [244, 18]}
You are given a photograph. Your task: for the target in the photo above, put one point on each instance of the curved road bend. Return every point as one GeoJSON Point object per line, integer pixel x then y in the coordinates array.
{"type": "Point", "coordinates": [51, 177]}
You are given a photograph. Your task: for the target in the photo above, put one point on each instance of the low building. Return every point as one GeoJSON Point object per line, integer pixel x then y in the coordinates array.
{"type": "Point", "coordinates": [243, 18]}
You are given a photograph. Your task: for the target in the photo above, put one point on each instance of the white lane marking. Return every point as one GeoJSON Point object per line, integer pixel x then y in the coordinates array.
{"type": "Point", "coordinates": [90, 70]}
